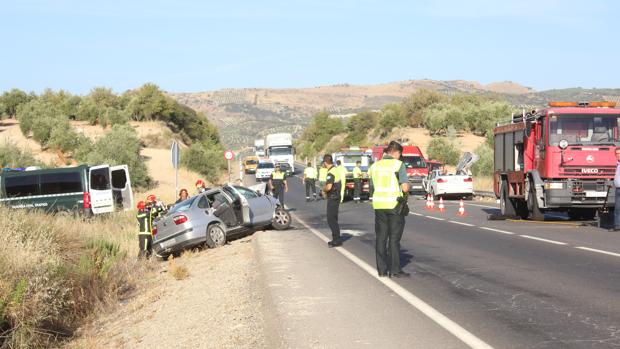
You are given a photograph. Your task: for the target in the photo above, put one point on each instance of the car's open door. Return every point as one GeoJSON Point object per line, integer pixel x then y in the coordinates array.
{"type": "Point", "coordinates": [121, 187]}
{"type": "Point", "coordinates": [100, 189]}
{"type": "Point", "coordinates": [245, 206]}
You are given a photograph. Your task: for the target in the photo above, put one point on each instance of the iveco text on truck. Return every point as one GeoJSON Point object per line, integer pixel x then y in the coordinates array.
{"type": "Point", "coordinates": [560, 158]}
{"type": "Point", "coordinates": [279, 148]}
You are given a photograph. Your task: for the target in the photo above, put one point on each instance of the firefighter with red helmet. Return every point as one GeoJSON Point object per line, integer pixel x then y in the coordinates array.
{"type": "Point", "coordinates": [200, 186]}
{"type": "Point", "coordinates": [154, 208]}
{"type": "Point", "coordinates": [145, 237]}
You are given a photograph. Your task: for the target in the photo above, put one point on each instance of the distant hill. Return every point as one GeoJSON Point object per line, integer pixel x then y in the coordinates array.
{"type": "Point", "coordinates": [245, 114]}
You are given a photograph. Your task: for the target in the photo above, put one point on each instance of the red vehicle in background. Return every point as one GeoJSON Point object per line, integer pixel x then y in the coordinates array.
{"type": "Point", "coordinates": [560, 158]}
{"type": "Point", "coordinates": [417, 169]}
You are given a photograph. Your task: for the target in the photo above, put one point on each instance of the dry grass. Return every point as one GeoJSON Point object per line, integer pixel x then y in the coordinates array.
{"type": "Point", "coordinates": [56, 270]}
{"type": "Point", "coordinates": [179, 272]}
{"type": "Point", "coordinates": [483, 183]}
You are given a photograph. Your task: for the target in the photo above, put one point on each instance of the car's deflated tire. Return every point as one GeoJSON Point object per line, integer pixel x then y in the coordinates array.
{"type": "Point", "coordinates": [216, 236]}
{"type": "Point", "coordinates": [281, 219]}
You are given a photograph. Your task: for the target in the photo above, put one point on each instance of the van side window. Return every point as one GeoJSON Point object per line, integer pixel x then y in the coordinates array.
{"type": "Point", "coordinates": [100, 179]}
{"type": "Point", "coordinates": [21, 186]}
{"type": "Point", "coordinates": [61, 183]}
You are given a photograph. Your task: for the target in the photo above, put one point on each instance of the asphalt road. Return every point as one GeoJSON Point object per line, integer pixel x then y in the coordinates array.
{"type": "Point", "coordinates": [512, 284]}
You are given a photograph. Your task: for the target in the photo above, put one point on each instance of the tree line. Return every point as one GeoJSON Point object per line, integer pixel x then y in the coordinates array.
{"type": "Point", "coordinates": [443, 116]}
{"type": "Point", "coordinates": [46, 118]}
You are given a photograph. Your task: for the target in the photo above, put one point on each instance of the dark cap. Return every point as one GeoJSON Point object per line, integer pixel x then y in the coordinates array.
{"type": "Point", "coordinates": [394, 146]}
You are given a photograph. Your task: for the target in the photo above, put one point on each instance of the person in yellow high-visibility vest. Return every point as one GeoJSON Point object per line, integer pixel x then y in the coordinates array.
{"type": "Point", "coordinates": [357, 180]}
{"type": "Point", "coordinates": [322, 180]}
{"type": "Point", "coordinates": [391, 186]}
{"type": "Point", "coordinates": [343, 178]}
{"type": "Point", "coordinates": [310, 181]}
{"type": "Point", "coordinates": [331, 190]}
{"type": "Point", "coordinates": [277, 184]}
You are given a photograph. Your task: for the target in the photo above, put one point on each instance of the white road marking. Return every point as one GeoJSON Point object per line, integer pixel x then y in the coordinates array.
{"type": "Point", "coordinates": [498, 230]}
{"type": "Point", "coordinates": [435, 218]}
{"type": "Point", "coordinates": [417, 214]}
{"type": "Point", "coordinates": [543, 240]}
{"type": "Point", "coordinates": [598, 251]}
{"type": "Point", "coordinates": [353, 232]}
{"type": "Point", "coordinates": [461, 223]}
{"type": "Point", "coordinates": [459, 332]}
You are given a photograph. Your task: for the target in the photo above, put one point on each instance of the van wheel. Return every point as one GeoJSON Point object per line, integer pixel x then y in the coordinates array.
{"type": "Point", "coordinates": [536, 214]}
{"type": "Point", "coordinates": [216, 236]}
{"type": "Point", "coordinates": [281, 219]}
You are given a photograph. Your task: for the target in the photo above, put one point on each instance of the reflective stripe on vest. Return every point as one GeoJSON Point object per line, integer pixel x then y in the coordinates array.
{"type": "Point", "coordinates": [385, 181]}
{"type": "Point", "coordinates": [276, 175]}
{"type": "Point", "coordinates": [357, 172]}
{"type": "Point", "coordinates": [310, 172]}
{"type": "Point", "coordinates": [323, 174]}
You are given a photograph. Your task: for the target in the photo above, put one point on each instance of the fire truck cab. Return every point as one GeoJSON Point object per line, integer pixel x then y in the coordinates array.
{"type": "Point", "coordinates": [561, 158]}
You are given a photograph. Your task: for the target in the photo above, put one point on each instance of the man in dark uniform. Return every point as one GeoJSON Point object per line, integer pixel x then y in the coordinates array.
{"type": "Point", "coordinates": [277, 184]}
{"type": "Point", "coordinates": [145, 237]}
{"type": "Point", "coordinates": [391, 184]}
{"type": "Point", "coordinates": [331, 191]}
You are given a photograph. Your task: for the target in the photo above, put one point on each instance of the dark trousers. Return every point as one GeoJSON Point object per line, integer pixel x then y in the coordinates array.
{"type": "Point", "coordinates": [389, 227]}
{"type": "Point", "coordinates": [146, 245]}
{"type": "Point", "coordinates": [617, 210]}
{"type": "Point", "coordinates": [333, 205]}
{"type": "Point", "coordinates": [357, 189]}
{"type": "Point", "coordinates": [278, 193]}
{"type": "Point", "coordinates": [310, 187]}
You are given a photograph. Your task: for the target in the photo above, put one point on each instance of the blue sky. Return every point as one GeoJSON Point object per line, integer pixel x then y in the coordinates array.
{"type": "Point", "coordinates": [190, 46]}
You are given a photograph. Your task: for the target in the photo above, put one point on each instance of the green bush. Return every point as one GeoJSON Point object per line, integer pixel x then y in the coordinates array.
{"type": "Point", "coordinates": [206, 159]}
{"type": "Point", "coordinates": [12, 156]}
{"type": "Point", "coordinates": [413, 106]}
{"type": "Point", "coordinates": [442, 149]}
{"type": "Point", "coordinates": [485, 165]}
{"type": "Point", "coordinates": [392, 116]}
{"type": "Point", "coordinates": [119, 146]}
{"type": "Point", "coordinates": [12, 100]}
{"type": "Point", "coordinates": [315, 137]}
{"type": "Point", "coordinates": [358, 127]}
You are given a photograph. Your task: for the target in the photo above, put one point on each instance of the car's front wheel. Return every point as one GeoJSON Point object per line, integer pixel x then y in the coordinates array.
{"type": "Point", "coordinates": [216, 236]}
{"type": "Point", "coordinates": [281, 219]}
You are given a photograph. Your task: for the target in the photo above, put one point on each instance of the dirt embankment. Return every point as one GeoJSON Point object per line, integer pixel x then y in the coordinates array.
{"type": "Point", "coordinates": [217, 304]}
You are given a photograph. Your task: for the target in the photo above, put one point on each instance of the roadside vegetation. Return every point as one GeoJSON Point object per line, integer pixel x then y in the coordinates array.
{"type": "Point", "coordinates": [46, 119]}
{"type": "Point", "coordinates": [443, 117]}
{"type": "Point", "coordinates": [56, 271]}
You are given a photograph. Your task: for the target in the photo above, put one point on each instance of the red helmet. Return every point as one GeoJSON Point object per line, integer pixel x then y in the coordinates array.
{"type": "Point", "coordinates": [151, 198]}
{"type": "Point", "coordinates": [200, 183]}
{"type": "Point", "coordinates": [141, 205]}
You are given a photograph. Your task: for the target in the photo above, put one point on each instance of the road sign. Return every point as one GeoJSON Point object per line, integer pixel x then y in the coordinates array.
{"type": "Point", "coordinates": [229, 155]}
{"type": "Point", "coordinates": [176, 154]}
{"type": "Point", "coordinates": [176, 160]}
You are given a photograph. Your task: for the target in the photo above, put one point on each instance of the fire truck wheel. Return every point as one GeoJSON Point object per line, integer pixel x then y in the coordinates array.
{"type": "Point", "coordinates": [506, 206]}
{"type": "Point", "coordinates": [532, 205]}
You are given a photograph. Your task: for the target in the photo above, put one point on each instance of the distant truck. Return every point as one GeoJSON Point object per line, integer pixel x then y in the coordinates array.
{"type": "Point", "coordinates": [560, 158]}
{"type": "Point", "coordinates": [250, 163]}
{"type": "Point", "coordinates": [83, 190]}
{"type": "Point", "coordinates": [349, 157]}
{"type": "Point", "coordinates": [259, 148]}
{"type": "Point", "coordinates": [279, 148]}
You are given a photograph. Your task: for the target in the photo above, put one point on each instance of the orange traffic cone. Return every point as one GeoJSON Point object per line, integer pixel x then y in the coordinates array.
{"type": "Point", "coordinates": [432, 203]}
{"type": "Point", "coordinates": [461, 208]}
{"type": "Point", "coordinates": [428, 201]}
{"type": "Point", "coordinates": [442, 208]}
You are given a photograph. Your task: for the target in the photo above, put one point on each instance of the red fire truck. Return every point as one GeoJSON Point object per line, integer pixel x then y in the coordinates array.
{"type": "Point", "coordinates": [560, 158]}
